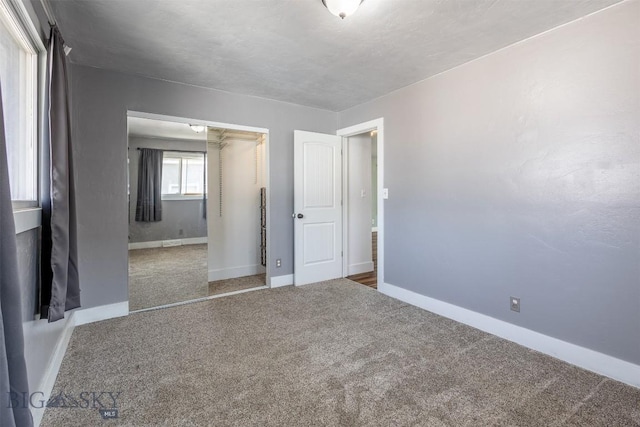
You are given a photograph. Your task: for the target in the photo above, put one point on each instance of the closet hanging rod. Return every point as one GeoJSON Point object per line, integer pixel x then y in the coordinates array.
{"type": "Point", "coordinates": [175, 151]}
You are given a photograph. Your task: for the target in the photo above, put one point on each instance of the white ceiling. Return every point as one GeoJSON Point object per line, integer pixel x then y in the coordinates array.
{"type": "Point", "coordinates": [295, 50]}
{"type": "Point", "coordinates": [161, 129]}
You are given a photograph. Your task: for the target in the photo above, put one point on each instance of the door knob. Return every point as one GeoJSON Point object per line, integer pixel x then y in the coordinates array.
{"type": "Point", "coordinates": [300, 216]}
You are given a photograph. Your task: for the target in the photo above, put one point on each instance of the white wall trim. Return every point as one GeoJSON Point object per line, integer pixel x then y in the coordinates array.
{"type": "Point", "coordinates": [51, 372]}
{"type": "Point", "coordinates": [233, 272]}
{"type": "Point", "coordinates": [163, 117]}
{"type": "Point", "coordinates": [279, 281]}
{"type": "Point", "coordinates": [582, 357]}
{"type": "Point", "coordinates": [27, 219]}
{"type": "Point", "coordinates": [76, 318]}
{"type": "Point", "coordinates": [102, 312]}
{"type": "Point", "coordinates": [363, 267]}
{"type": "Point", "coordinates": [369, 126]}
{"type": "Point", "coordinates": [167, 243]}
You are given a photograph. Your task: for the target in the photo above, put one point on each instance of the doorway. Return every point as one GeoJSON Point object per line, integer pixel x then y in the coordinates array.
{"type": "Point", "coordinates": [321, 206]}
{"type": "Point", "coordinates": [370, 151]}
{"type": "Point", "coordinates": [360, 152]}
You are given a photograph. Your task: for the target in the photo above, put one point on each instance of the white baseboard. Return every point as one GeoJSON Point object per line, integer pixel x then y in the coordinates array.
{"type": "Point", "coordinates": [363, 267]}
{"type": "Point", "coordinates": [582, 357]}
{"type": "Point", "coordinates": [75, 318]}
{"type": "Point", "coordinates": [279, 281]}
{"type": "Point", "coordinates": [102, 312]}
{"type": "Point", "coordinates": [51, 372]}
{"type": "Point", "coordinates": [168, 243]}
{"type": "Point", "coordinates": [233, 272]}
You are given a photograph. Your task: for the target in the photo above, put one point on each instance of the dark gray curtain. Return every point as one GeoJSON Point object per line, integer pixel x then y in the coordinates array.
{"type": "Point", "coordinates": [149, 204]}
{"type": "Point", "coordinates": [60, 282]}
{"type": "Point", "coordinates": [13, 370]}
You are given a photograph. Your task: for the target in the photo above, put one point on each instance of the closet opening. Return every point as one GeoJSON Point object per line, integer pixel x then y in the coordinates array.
{"type": "Point", "coordinates": [198, 210]}
{"type": "Point", "coordinates": [237, 215]}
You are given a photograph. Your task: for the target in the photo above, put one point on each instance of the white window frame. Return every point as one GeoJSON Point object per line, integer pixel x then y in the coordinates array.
{"type": "Point", "coordinates": [181, 155]}
{"type": "Point", "coordinates": [14, 15]}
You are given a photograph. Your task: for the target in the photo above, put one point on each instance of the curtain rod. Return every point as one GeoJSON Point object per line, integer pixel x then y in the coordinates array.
{"type": "Point", "coordinates": [174, 151]}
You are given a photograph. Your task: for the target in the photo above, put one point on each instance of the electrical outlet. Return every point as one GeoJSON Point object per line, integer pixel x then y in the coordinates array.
{"type": "Point", "coordinates": [278, 263]}
{"type": "Point", "coordinates": [515, 304]}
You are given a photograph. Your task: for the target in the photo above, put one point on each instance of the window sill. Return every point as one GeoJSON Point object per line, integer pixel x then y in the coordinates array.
{"type": "Point", "coordinates": [27, 219]}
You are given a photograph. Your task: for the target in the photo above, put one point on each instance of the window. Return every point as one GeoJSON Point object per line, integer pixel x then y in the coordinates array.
{"type": "Point", "coordinates": [183, 175]}
{"type": "Point", "coordinates": [19, 79]}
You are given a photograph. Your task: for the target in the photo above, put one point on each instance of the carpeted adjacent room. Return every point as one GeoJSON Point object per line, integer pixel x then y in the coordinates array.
{"type": "Point", "coordinates": [334, 353]}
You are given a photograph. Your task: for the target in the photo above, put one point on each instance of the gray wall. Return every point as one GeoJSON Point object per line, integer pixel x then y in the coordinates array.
{"type": "Point", "coordinates": [40, 337]}
{"type": "Point", "coordinates": [519, 174]}
{"type": "Point", "coordinates": [181, 219]}
{"type": "Point", "coordinates": [28, 245]}
{"type": "Point", "coordinates": [101, 100]}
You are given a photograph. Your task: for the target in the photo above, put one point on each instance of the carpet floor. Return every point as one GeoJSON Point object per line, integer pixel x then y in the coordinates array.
{"type": "Point", "coordinates": [161, 276]}
{"type": "Point", "coordinates": [334, 353]}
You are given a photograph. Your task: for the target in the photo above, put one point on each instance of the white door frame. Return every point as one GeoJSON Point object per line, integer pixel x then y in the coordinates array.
{"type": "Point", "coordinates": [377, 125]}
{"type": "Point", "coordinates": [143, 115]}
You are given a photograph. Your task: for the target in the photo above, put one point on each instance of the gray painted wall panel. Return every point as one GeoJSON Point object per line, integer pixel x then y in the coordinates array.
{"type": "Point", "coordinates": [28, 245]}
{"type": "Point", "coordinates": [101, 100]}
{"type": "Point", "coordinates": [519, 174]}
{"type": "Point", "coordinates": [40, 337]}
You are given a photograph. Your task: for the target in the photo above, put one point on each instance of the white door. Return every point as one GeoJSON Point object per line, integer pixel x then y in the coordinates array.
{"type": "Point", "coordinates": [317, 205]}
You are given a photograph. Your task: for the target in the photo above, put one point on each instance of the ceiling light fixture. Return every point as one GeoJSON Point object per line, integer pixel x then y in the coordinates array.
{"type": "Point", "coordinates": [196, 128]}
{"type": "Point", "coordinates": [342, 8]}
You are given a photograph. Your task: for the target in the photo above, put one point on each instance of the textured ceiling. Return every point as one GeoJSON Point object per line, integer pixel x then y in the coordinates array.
{"type": "Point", "coordinates": [295, 50]}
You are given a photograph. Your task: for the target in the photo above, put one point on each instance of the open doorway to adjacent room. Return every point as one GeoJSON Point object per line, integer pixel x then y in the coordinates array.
{"type": "Point", "coordinates": [361, 219]}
